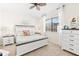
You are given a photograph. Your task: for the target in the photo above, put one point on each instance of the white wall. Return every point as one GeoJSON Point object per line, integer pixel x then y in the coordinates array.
{"type": "Point", "coordinates": [71, 10]}
{"type": "Point", "coordinates": [66, 14]}
{"type": "Point", "coordinates": [52, 14]}
{"type": "Point", "coordinates": [14, 13]}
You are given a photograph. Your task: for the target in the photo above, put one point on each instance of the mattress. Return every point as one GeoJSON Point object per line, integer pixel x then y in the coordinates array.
{"type": "Point", "coordinates": [25, 39]}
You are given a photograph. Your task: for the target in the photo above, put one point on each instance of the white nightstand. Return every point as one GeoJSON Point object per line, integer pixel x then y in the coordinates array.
{"type": "Point", "coordinates": [8, 40]}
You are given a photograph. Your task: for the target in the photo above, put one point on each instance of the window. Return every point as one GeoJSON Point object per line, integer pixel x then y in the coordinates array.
{"type": "Point", "coordinates": [51, 24]}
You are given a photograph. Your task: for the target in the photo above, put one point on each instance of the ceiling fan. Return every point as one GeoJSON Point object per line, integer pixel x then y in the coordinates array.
{"type": "Point", "coordinates": [37, 5]}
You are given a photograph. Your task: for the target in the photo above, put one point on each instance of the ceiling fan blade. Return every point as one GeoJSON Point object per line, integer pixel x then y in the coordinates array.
{"type": "Point", "coordinates": [37, 7]}
{"type": "Point", "coordinates": [31, 7]}
{"type": "Point", "coordinates": [42, 4]}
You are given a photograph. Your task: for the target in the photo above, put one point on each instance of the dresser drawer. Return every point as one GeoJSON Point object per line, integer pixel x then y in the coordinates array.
{"type": "Point", "coordinates": [70, 36]}
{"type": "Point", "coordinates": [67, 44]}
{"type": "Point", "coordinates": [70, 32]}
{"type": "Point", "coordinates": [8, 40]}
{"type": "Point", "coordinates": [5, 39]}
{"type": "Point", "coordinates": [67, 31]}
{"type": "Point", "coordinates": [75, 32]}
{"type": "Point", "coordinates": [5, 42]}
{"type": "Point", "coordinates": [70, 45]}
{"type": "Point", "coordinates": [70, 41]}
{"type": "Point", "coordinates": [75, 41]}
{"type": "Point", "coordinates": [72, 48]}
{"type": "Point", "coordinates": [11, 39]}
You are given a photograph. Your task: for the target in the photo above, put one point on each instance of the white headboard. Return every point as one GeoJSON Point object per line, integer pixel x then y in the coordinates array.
{"type": "Point", "coordinates": [20, 28]}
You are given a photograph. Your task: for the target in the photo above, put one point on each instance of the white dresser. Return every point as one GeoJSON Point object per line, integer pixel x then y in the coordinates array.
{"type": "Point", "coordinates": [7, 40]}
{"type": "Point", "coordinates": [70, 41]}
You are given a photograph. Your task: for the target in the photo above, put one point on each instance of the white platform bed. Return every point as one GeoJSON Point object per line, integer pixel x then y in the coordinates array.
{"type": "Point", "coordinates": [25, 44]}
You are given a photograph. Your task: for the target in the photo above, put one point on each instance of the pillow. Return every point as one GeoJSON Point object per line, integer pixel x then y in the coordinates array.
{"type": "Point", "coordinates": [32, 31]}
{"type": "Point", "coordinates": [26, 32]}
{"type": "Point", "coordinates": [37, 33]}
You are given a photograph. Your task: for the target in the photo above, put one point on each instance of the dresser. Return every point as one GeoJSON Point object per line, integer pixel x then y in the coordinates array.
{"type": "Point", "coordinates": [8, 40]}
{"type": "Point", "coordinates": [70, 41]}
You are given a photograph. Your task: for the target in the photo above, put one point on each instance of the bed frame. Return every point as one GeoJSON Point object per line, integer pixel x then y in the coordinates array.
{"type": "Point", "coordinates": [27, 47]}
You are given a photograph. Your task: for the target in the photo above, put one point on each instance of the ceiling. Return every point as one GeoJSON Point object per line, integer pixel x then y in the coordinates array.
{"type": "Point", "coordinates": [44, 10]}
{"type": "Point", "coordinates": [23, 8]}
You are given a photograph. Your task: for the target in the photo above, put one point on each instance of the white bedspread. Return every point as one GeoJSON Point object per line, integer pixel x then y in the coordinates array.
{"type": "Point", "coordinates": [24, 39]}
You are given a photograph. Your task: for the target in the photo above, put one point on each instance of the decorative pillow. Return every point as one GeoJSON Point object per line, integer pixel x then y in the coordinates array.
{"type": "Point", "coordinates": [26, 32]}
{"type": "Point", "coordinates": [37, 33]}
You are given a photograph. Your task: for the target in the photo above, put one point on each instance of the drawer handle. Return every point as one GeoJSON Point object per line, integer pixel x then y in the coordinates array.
{"type": "Point", "coordinates": [71, 44]}
{"type": "Point", "coordinates": [71, 40]}
{"type": "Point", "coordinates": [71, 49]}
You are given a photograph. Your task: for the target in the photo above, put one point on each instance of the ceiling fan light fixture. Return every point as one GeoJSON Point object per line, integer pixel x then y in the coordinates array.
{"type": "Point", "coordinates": [37, 5]}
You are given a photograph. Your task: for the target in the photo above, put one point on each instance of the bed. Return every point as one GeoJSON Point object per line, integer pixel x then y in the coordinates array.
{"type": "Point", "coordinates": [26, 39]}
{"type": "Point", "coordinates": [26, 44]}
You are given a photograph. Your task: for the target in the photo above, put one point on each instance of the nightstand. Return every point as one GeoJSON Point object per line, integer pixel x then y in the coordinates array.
{"type": "Point", "coordinates": [7, 40]}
